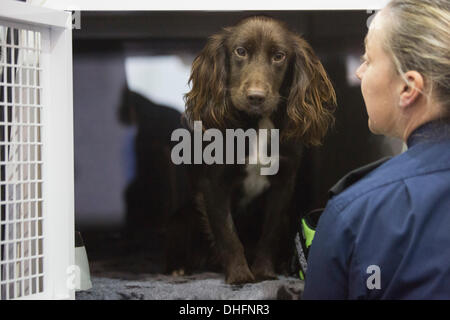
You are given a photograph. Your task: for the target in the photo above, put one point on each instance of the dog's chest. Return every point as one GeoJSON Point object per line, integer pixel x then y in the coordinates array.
{"type": "Point", "coordinates": [254, 183]}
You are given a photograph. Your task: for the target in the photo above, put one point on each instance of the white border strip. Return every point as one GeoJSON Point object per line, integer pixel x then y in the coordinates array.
{"type": "Point", "coordinates": [25, 13]}
{"type": "Point", "coordinates": [228, 5]}
{"type": "Point", "coordinates": [57, 156]}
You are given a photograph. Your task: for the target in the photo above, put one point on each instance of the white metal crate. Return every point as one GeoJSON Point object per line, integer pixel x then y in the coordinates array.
{"type": "Point", "coordinates": [36, 153]}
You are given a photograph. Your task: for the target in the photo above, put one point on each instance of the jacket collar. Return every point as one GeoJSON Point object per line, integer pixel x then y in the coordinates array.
{"type": "Point", "coordinates": [355, 175]}
{"type": "Point", "coordinates": [432, 131]}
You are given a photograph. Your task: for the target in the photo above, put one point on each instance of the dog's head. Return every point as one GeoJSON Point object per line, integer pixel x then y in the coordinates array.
{"type": "Point", "coordinates": [257, 67]}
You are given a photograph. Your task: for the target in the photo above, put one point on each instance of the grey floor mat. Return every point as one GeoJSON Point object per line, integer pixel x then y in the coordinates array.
{"type": "Point", "coordinates": [204, 286]}
{"type": "Point", "coordinates": [121, 270]}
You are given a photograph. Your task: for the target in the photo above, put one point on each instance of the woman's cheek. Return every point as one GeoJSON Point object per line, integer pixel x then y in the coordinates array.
{"type": "Point", "coordinates": [370, 100]}
{"type": "Point", "coordinates": [364, 91]}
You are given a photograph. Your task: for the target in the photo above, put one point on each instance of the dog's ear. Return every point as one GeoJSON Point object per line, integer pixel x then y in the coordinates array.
{"type": "Point", "coordinates": [207, 99]}
{"type": "Point", "coordinates": [311, 99]}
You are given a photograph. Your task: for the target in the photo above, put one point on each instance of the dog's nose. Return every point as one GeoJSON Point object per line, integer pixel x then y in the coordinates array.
{"type": "Point", "coordinates": [256, 97]}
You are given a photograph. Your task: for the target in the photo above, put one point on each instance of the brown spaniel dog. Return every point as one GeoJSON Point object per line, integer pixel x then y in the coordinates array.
{"type": "Point", "coordinates": [256, 74]}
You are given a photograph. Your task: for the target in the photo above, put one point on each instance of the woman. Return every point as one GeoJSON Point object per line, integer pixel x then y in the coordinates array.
{"type": "Point", "coordinates": [387, 236]}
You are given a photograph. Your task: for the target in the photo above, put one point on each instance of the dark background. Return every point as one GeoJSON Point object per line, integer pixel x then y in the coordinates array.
{"type": "Point", "coordinates": [105, 149]}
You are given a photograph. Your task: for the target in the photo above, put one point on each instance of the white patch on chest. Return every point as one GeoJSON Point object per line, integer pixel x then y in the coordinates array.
{"type": "Point", "coordinates": [254, 183]}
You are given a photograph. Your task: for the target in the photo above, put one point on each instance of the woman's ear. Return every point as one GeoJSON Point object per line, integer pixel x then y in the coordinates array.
{"type": "Point", "coordinates": [207, 100]}
{"type": "Point", "coordinates": [411, 90]}
{"type": "Point", "coordinates": [311, 97]}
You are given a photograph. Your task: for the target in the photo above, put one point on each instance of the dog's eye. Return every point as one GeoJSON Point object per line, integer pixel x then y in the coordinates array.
{"type": "Point", "coordinates": [241, 51]}
{"type": "Point", "coordinates": [279, 56]}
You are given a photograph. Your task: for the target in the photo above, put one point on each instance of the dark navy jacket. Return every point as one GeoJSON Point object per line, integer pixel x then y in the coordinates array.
{"type": "Point", "coordinates": [392, 225]}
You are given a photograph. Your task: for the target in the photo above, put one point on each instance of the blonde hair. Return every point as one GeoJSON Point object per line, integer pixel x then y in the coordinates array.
{"type": "Point", "coordinates": [418, 38]}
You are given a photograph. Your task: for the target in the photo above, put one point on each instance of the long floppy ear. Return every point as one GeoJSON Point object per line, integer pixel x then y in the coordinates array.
{"type": "Point", "coordinates": [311, 99]}
{"type": "Point", "coordinates": [207, 100]}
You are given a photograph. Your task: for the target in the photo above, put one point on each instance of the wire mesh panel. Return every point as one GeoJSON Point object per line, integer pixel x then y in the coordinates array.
{"type": "Point", "coordinates": [21, 223]}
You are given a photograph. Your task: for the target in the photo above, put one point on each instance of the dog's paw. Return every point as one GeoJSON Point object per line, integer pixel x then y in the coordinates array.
{"type": "Point", "coordinates": [263, 271]}
{"type": "Point", "coordinates": [239, 275]}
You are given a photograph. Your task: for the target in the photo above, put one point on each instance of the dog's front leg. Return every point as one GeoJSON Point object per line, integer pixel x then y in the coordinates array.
{"type": "Point", "coordinates": [226, 241]}
{"type": "Point", "coordinates": [274, 229]}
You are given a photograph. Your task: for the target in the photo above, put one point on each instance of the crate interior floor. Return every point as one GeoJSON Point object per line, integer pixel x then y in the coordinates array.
{"type": "Point", "coordinates": [123, 270]}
